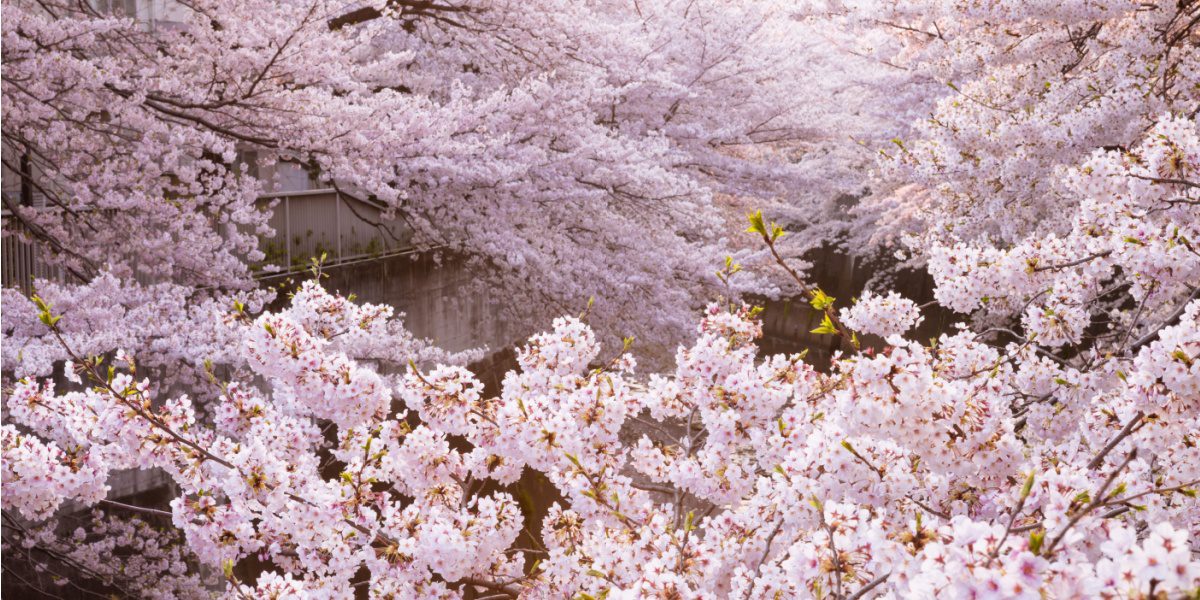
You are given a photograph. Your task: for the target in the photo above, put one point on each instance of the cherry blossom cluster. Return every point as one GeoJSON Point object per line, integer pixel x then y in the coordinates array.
{"type": "Point", "coordinates": [915, 470]}
{"type": "Point", "coordinates": [882, 315]}
{"type": "Point", "coordinates": [588, 140]}
{"type": "Point", "coordinates": [1051, 460]}
{"type": "Point", "coordinates": [126, 555]}
{"type": "Point", "coordinates": [984, 104]}
{"type": "Point", "coordinates": [1131, 237]}
{"type": "Point", "coordinates": [1044, 169]}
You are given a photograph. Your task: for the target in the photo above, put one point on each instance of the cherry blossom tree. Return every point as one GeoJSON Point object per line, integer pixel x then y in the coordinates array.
{"type": "Point", "coordinates": [570, 149]}
{"type": "Point", "coordinates": [1046, 447]}
{"type": "Point", "coordinates": [999, 106]}
{"type": "Point", "coordinates": [1056, 460]}
{"type": "Point", "coordinates": [994, 100]}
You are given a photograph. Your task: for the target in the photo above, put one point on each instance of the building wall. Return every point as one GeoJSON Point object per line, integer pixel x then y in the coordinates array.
{"type": "Point", "coordinates": [438, 300]}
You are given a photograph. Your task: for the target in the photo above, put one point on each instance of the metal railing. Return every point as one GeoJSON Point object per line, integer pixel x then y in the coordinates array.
{"type": "Point", "coordinates": [308, 225]}
{"type": "Point", "coordinates": [340, 227]}
{"type": "Point", "coordinates": [21, 260]}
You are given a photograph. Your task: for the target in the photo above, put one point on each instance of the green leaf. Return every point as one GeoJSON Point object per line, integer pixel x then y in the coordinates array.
{"type": "Point", "coordinates": [820, 300]}
{"type": "Point", "coordinates": [48, 320]}
{"type": "Point", "coordinates": [1028, 487]}
{"type": "Point", "coordinates": [587, 309]}
{"type": "Point", "coordinates": [1036, 539]}
{"type": "Point", "coordinates": [756, 223]}
{"type": "Point", "coordinates": [826, 327]}
{"type": "Point", "coordinates": [574, 461]}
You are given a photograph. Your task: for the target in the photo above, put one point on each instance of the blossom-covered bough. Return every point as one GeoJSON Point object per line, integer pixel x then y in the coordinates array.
{"type": "Point", "coordinates": [990, 102]}
{"type": "Point", "coordinates": [532, 138]}
{"type": "Point", "coordinates": [1047, 447]}
{"type": "Point", "coordinates": [1058, 457]}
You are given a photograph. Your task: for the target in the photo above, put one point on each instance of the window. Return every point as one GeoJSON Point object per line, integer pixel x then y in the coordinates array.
{"type": "Point", "coordinates": [294, 177]}
{"type": "Point", "coordinates": [247, 162]}
{"type": "Point", "coordinates": [117, 8]}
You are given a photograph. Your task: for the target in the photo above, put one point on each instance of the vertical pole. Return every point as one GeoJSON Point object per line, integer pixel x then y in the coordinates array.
{"type": "Point", "coordinates": [337, 221]}
{"type": "Point", "coordinates": [26, 180]}
{"type": "Point", "coordinates": [287, 228]}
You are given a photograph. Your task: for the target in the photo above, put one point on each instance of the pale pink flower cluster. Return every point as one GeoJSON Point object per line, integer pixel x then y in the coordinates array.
{"type": "Point", "coordinates": [327, 385]}
{"type": "Point", "coordinates": [1132, 228]}
{"type": "Point", "coordinates": [901, 471]}
{"type": "Point", "coordinates": [1050, 451]}
{"type": "Point", "coordinates": [989, 102]}
{"type": "Point", "coordinates": [39, 476]}
{"type": "Point", "coordinates": [128, 555]}
{"type": "Point", "coordinates": [882, 315]}
{"type": "Point", "coordinates": [632, 127]}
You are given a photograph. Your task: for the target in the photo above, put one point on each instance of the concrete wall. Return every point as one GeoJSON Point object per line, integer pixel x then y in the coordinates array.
{"type": "Point", "coordinates": [439, 300]}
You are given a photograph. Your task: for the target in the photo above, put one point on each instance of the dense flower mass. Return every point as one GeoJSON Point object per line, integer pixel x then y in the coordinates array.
{"type": "Point", "coordinates": [474, 122]}
{"type": "Point", "coordinates": [990, 101]}
{"type": "Point", "coordinates": [1043, 168]}
{"type": "Point", "coordinates": [882, 315]}
{"type": "Point", "coordinates": [918, 471]}
{"type": "Point", "coordinates": [965, 467]}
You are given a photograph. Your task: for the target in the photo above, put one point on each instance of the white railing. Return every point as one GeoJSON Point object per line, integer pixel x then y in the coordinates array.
{"type": "Point", "coordinates": [340, 227]}
{"type": "Point", "coordinates": [308, 225]}
{"type": "Point", "coordinates": [22, 260]}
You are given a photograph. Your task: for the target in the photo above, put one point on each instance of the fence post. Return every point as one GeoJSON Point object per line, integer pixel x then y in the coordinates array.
{"type": "Point", "coordinates": [337, 221]}
{"type": "Point", "coordinates": [287, 228]}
